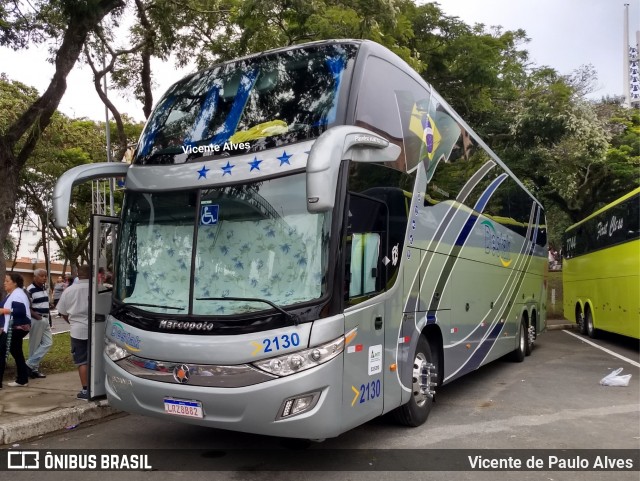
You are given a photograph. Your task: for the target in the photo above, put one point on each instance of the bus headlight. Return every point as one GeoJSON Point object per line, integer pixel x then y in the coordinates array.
{"type": "Point", "coordinates": [115, 352]}
{"type": "Point", "coordinates": [298, 361]}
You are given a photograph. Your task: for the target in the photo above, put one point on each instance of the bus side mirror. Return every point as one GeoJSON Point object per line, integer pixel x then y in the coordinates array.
{"type": "Point", "coordinates": [332, 147]}
{"type": "Point", "coordinates": [78, 175]}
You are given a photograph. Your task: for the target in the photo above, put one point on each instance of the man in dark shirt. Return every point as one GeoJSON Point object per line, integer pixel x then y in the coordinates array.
{"type": "Point", "coordinates": [40, 338]}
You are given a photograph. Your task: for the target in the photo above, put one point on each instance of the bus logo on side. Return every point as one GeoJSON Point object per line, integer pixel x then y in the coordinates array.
{"type": "Point", "coordinates": [130, 341]}
{"type": "Point", "coordinates": [497, 244]}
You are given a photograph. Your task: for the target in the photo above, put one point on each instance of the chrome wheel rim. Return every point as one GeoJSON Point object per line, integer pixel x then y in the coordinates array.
{"type": "Point", "coordinates": [532, 335]}
{"type": "Point", "coordinates": [422, 370]}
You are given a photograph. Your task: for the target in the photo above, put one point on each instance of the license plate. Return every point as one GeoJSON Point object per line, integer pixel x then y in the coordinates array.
{"type": "Point", "coordinates": [181, 407]}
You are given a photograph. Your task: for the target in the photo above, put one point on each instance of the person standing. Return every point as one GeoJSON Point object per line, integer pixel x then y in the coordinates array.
{"type": "Point", "coordinates": [40, 338]}
{"type": "Point", "coordinates": [15, 321]}
{"type": "Point", "coordinates": [57, 290]}
{"type": "Point", "coordinates": [73, 306]}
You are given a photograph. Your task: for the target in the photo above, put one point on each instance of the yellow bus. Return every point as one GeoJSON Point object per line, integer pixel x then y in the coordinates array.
{"type": "Point", "coordinates": [601, 269]}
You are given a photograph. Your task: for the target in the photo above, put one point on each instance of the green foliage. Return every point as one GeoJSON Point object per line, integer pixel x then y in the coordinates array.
{"type": "Point", "coordinates": [557, 221]}
{"type": "Point", "coordinates": [578, 154]}
{"type": "Point", "coordinates": [65, 144]}
{"type": "Point", "coordinates": [623, 153]}
{"type": "Point", "coordinates": [15, 98]}
{"type": "Point", "coordinates": [478, 71]}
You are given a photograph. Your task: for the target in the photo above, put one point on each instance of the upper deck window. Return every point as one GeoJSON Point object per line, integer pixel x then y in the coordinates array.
{"type": "Point", "coordinates": [248, 105]}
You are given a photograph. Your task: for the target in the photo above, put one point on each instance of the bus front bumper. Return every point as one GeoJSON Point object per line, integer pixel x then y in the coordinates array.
{"type": "Point", "coordinates": [254, 409]}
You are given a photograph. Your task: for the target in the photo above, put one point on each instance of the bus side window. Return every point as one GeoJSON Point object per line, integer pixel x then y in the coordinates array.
{"type": "Point", "coordinates": [365, 273]}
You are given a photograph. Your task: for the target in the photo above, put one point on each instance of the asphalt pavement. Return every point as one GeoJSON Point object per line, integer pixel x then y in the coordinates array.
{"type": "Point", "coordinates": [50, 404]}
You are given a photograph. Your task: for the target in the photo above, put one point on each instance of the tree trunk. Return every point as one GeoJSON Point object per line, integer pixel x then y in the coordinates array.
{"type": "Point", "coordinates": [8, 195]}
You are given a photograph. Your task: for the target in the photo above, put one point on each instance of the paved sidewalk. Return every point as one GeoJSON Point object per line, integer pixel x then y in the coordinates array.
{"type": "Point", "coordinates": [45, 406]}
{"type": "Point", "coordinates": [50, 404]}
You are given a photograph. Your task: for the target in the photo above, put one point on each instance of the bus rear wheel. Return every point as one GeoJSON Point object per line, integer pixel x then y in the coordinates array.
{"type": "Point", "coordinates": [521, 349]}
{"type": "Point", "coordinates": [531, 338]}
{"type": "Point", "coordinates": [582, 325]}
{"type": "Point", "coordinates": [591, 330]}
{"type": "Point", "coordinates": [424, 372]}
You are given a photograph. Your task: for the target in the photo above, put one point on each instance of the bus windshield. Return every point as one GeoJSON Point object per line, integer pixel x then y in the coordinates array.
{"type": "Point", "coordinates": [204, 252]}
{"type": "Point", "coordinates": [247, 105]}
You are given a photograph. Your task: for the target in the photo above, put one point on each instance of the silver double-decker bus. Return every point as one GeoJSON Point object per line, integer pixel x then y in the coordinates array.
{"type": "Point", "coordinates": [310, 238]}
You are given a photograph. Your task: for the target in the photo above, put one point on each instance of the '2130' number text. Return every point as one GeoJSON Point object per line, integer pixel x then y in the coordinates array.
{"type": "Point", "coordinates": [369, 391]}
{"type": "Point", "coordinates": [281, 342]}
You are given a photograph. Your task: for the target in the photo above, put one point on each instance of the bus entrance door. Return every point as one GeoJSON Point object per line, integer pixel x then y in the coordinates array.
{"type": "Point", "coordinates": [103, 241]}
{"type": "Point", "coordinates": [365, 274]}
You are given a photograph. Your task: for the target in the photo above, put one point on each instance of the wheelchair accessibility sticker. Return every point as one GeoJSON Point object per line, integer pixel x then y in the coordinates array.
{"type": "Point", "coordinates": [209, 214]}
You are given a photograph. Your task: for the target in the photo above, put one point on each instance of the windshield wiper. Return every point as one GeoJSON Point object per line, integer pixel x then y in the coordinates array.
{"type": "Point", "coordinates": [152, 305]}
{"type": "Point", "coordinates": [291, 317]}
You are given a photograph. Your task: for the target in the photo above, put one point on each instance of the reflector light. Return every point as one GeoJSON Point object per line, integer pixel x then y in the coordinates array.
{"type": "Point", "coordinates": [287, 408]}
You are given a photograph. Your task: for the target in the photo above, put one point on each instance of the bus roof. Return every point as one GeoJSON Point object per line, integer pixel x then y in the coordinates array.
{"type": "Point", "coordinates": [606, 207]}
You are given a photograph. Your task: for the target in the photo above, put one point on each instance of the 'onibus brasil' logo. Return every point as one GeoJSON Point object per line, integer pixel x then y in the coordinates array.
{"type": "Point", "coordinates": [497, 244]}
{"type": "Point", "coordinates": [131, 342]}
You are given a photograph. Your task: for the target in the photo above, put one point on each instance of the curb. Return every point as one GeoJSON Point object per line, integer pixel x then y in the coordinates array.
{"type": "Point", "coordinates": [55, 420]}
{"type": "Point", "coordinates": [563, 326]}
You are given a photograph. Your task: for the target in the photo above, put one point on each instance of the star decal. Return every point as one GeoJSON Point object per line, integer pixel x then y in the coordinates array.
{"type": "Point", "coordinates": [226, 169]}
{"type": "Point", "coordinates": [284, 158]}
{"type": "Point", "coordinates": [202, 173]}
{"type": "Point", "coordinates": [255, 165]}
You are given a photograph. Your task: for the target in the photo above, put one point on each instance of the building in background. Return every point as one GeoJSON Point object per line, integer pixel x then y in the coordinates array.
{"type": "Point", "coordinates": [630, 75]}
{"type": "Point", "coordinates": [27, 235]}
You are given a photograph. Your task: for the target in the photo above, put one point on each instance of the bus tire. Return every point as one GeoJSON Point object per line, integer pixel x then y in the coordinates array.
{"type": "Point", "coordinates": [520, 351]}
{"type": "Point", "coordinates": [582, 324]}
{"type": "Point", "coordinates": [591, 330]}
{"type": "Point", "coordinates": [531, 338]}
{"type": "Point", "coordinates": [416, 411]}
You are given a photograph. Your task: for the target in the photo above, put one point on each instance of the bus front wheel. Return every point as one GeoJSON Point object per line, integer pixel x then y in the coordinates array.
{"type": "Point", "coordinates": [423, 383]}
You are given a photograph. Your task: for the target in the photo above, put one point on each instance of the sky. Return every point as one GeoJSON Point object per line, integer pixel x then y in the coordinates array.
{"type": "Point", "coordinates": [565, 34]}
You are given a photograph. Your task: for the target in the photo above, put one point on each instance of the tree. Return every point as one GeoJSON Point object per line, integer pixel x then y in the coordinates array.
{"type": "Point", "coordinates": [561, 143]}
{"type": "Point", "coordinates": [623, 153]}
{"type": "Point", "coordinates": [130, 67]}
{"type": "Point", "coordinates": [478, 70]}
{"type": "Point", "coordinates": [69, 22]}
{"type": "Point", "coordinates": [65, 144]}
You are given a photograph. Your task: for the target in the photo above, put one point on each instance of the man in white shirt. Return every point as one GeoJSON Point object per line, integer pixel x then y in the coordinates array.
{"type": "Point", "coordinates": [73, 306]}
